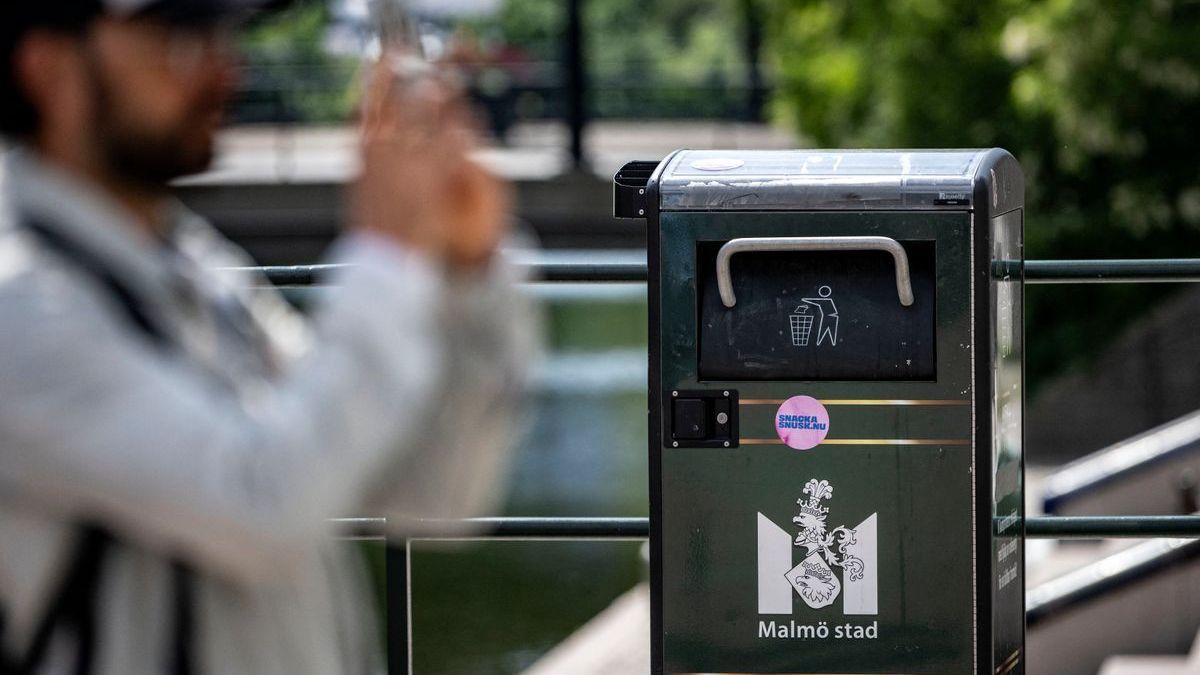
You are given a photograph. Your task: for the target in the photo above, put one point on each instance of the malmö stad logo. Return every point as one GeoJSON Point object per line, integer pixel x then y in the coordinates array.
{"type": "Point", "coordinates": [839, 562]}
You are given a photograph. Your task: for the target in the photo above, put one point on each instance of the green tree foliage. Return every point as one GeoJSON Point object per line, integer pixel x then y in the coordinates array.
{"type": "Point", "coordinates": [1099, 100]}
{"type": "Point", "coordinates": [672, 58]}
{"type": "Point", "coordinates": [289, 75]}
{"type": "Point", "coordinates": [533, 25]}
{"type": "Point", "coordinates": [688, 39]}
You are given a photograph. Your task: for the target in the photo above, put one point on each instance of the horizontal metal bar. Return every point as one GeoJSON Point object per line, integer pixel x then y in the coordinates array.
{"type": "Point", "coordinates": [1111, 527]}
{"type": "Point", "coordinates": [519, 528]}
{"type": "Point", "coordinates": [296, 275]}
{"type": "Point", "coordinates": [360, 528]}
{"type": "Point", "coordinates": [572, 271]}
{"type": "Point", "coordinates": [563, 528]}
{"type": "Point", "coordinates": [557, 271]}
{"type": "Point", "coordinates": [1035, 271]}
{"type": "Point", "coordinates": [1109, 271]}
{"type": "Point", "coordinates": [1042, 527]}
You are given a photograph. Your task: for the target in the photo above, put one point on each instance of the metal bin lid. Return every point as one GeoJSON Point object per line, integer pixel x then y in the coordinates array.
{"type": "Point", "coordinates": [714, 180]}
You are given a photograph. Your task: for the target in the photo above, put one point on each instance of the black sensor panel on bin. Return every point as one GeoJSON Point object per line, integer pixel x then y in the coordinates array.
{"type": "Point", "coordinates": [823, 315]}
{"type": "Point", "coordinates": [703, 419]}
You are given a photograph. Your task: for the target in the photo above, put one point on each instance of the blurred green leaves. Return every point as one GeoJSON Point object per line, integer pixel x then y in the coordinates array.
{"type": "Point", "coordinates": [1098, 99]}
{"type": "Point", "coordinates": [668, 58]}
{"type": "Point", "coordinates": [290, 76]}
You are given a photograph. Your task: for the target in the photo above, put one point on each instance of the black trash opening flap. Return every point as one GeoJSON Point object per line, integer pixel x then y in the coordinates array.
{"type": "Point", "coordinates": [817, 316]}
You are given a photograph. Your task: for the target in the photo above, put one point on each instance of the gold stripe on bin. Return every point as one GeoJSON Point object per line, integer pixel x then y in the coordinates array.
{"type": "Point", "coordinates": [865, 401]}
{"type": "Point", "coordinates": [1010, 663]}
{"type": "Point", "coordinates": [866, 441]}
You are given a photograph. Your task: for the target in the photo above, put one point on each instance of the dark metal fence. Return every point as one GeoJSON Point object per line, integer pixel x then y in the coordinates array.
{"type": "Point", "coordinates": [616, 529]}
{"type": "Point", "coordinates": [1035, 271]}
{"type": "Point", "coordinates": [525, 529]}
{"type": "Point", "coordinates": [623, 529]}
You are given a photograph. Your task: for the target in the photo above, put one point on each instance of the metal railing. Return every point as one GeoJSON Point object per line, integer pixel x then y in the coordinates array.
{"type": "Point", "coordinates": [1167, 450]}
{"type": "Point", "coordinates": [1178, 540]}
{"type": "Point", "coordinates": [1180, 535]}
{"type": "Point", "coordinates": [1111, 574]}
{"type": "Point", "coordinates": [1111, 527]}
{"type": "Point", "coordinates": [1035, 271]}
{"type": "Point", "coordinates": [614, 529]}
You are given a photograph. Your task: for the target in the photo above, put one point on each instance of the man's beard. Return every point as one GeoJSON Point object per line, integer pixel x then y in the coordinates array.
{"type": "Point", "coordinates": [144, 158]}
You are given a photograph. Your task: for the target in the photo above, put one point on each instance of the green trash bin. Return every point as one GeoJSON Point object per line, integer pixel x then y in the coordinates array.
{"type": "Point", "coordinates": [835, 408]}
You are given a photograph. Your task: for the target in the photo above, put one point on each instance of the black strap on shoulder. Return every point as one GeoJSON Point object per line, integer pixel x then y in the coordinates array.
{"type": "Point", "coordinates": [73, 607]}
{"type": "Point", "coordinates": [87, 262]}
{"type": "Point", "coordinates": [183, 591]}
{"type": "Point", "coordinates": [7, 665]}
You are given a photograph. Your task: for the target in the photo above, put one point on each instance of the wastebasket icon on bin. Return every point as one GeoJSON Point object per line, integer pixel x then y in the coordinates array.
{"type": "Point", "coordinates": [801, 324]}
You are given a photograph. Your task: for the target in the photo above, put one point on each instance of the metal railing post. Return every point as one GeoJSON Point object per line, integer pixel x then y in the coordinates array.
{"type": "Point", "coordinates": [396, 619]}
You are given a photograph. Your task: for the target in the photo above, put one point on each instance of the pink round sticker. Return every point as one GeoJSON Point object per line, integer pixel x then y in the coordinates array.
{"type": "Point", "coordinates": [802, 422]}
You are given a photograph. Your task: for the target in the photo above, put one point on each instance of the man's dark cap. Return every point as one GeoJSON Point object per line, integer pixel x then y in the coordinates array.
{"type": "Point", "coordinates": [19, 17]}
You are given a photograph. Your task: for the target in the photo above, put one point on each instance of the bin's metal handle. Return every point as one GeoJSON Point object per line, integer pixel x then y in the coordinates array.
{"type": "Point", "coordinates": [764, 244]}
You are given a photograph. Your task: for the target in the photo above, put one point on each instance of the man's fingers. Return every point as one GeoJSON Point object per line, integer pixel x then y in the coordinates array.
{"type": "Point", "coordinates": [419, 182]}
{"type": "Point", "coordinates": [378, 100]}
{"type": "Point", "coordinates": [421, 114]}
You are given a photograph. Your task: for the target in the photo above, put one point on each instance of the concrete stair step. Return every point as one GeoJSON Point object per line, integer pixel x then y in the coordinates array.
{"type": "Point", "coordinates": [1147, 665]}
{"type": "Point", "coordinates": [616, 641]}
{"type": "Point", "coordinates": [1155, 665]}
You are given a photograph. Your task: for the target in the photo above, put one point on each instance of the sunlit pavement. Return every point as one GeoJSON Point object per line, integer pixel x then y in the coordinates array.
{"type": "Point", "coordinates": [534, 151]}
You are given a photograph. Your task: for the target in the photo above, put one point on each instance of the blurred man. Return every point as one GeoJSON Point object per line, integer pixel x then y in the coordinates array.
{"type": "Point", "coordinates": [171, 444]}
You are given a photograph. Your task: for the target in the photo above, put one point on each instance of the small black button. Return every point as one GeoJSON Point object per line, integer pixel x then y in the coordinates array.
{"type": "Point", "coordinates": [721, 417]}
{"type": "Point", "coordinates": [689, 420]}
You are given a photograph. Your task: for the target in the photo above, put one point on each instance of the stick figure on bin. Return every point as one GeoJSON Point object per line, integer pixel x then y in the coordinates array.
{"type": "Point", "coordinates": [827, 321]}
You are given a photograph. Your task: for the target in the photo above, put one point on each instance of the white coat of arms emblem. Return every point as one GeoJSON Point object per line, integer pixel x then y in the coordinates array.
{"type": "Point", "coordinates": [833, 562]}
{"type": "Point", "coordinates": [824, 549]}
